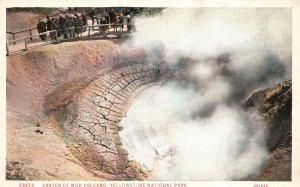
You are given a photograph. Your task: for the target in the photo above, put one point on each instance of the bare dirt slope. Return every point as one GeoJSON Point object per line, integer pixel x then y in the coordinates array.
{"type": "Point", "coordinates": [18, 21]}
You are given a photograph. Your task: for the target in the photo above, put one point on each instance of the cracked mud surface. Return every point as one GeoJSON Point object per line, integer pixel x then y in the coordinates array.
{"type": "Point", "coordinates": [104, 105]}
{"type": "Point", "coordinates": [93, 123]}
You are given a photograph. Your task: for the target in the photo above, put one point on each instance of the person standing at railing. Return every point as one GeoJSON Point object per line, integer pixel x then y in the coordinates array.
{"type": "Point", "coordinates": [72, 26]}
{"type": "Point", "coordinates": [121, 22]}
{"type": "Point", "coordinates": [128, 23]}
{"type": "Point", "coordinates": [76, 24]}
{"type": "Point", "coordinates": [104, 29]}
{"type": "Point", "coordinates": [92, 15]}
{"type": "Point", "coordinates": [61, 24]}
{"type": "Point", "coordinates": [65, 28]}
{"type": "Point", "coordinates": [48, 22]}
{"type": "Point", "coordinates": [53, 26]}
{"type": "Point", "coordinates": [80, 24]}
{"type": "Point", "coordinates": [110, 14]}
{"type": "Point", "coordinates": [56, 22]}
{"type": "Point", "coordinates": [106, 16]}
{"type": "Point", "coordinates": [84, 20]}
{"type": "Point", "coordinates": [113, 19]}
{"type": "Point", "coordinates": [41, 27]}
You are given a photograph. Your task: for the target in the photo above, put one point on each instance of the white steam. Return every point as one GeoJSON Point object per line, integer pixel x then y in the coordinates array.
{"type": "Point", "coordinates": [248, 34]}
{"type": "Point", "coordinates": [192, 126]}
{"type": "Point", "coordinates": [159, 133]}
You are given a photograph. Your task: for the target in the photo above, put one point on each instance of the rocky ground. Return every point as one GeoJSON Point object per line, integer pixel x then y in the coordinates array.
{"type": "Point", "coordinates": [275, 105]}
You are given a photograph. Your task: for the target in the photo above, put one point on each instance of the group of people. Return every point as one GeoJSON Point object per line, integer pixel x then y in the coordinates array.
{"type": "Point", "coordinates": [109, 16]}
{"type": "Point", "coordinates": [67, 25]}
{"type": "Point", "coordinates": [71, 25]}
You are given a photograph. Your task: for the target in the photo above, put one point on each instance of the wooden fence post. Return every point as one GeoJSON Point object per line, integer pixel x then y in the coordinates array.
{"type": "Point", "coordinates": [14, 38]}
{"type": "Point", "coordinates": [26, 47]}
{"type": "Point", "coordinates": [89, 33]}
{"type": "Point", "coordinates": [7, 49]}
{"type": "Point", "coordinates": [56, 35]}
{"type": "Point", "coordinates": [30, 34]}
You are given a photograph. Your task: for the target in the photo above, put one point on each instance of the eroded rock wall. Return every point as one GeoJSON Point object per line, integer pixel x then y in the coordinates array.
{"type": "Point", "coordinates": [275, 105]}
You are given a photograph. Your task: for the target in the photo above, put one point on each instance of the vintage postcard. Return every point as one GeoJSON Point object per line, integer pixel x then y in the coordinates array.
{"type": "Point", "coordinates": [150, 94]}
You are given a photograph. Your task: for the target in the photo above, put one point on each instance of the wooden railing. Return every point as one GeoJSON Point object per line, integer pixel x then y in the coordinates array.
{"type": "Point", "coordinates": [26, 39]}
{"type": "Point", "coordinates": [14, 33]}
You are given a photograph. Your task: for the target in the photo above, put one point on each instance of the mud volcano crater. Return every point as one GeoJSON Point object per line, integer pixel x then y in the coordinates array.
{"type": "Point", "coordinates": [64, 106]}
{"type": "Point", "coordinates": [67, 101]}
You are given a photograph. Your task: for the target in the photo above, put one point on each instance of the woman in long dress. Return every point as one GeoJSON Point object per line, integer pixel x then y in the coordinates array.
{"type": "Point", "coordinates": [53, 26]}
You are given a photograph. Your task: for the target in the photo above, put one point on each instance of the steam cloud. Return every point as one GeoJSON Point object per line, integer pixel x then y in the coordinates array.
{"type": "Point", "coordinates": [192, 126]}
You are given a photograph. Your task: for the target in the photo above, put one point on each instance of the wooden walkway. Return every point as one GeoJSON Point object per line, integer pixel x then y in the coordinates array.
{"type": "Point", "coordinates": [91, 32]}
